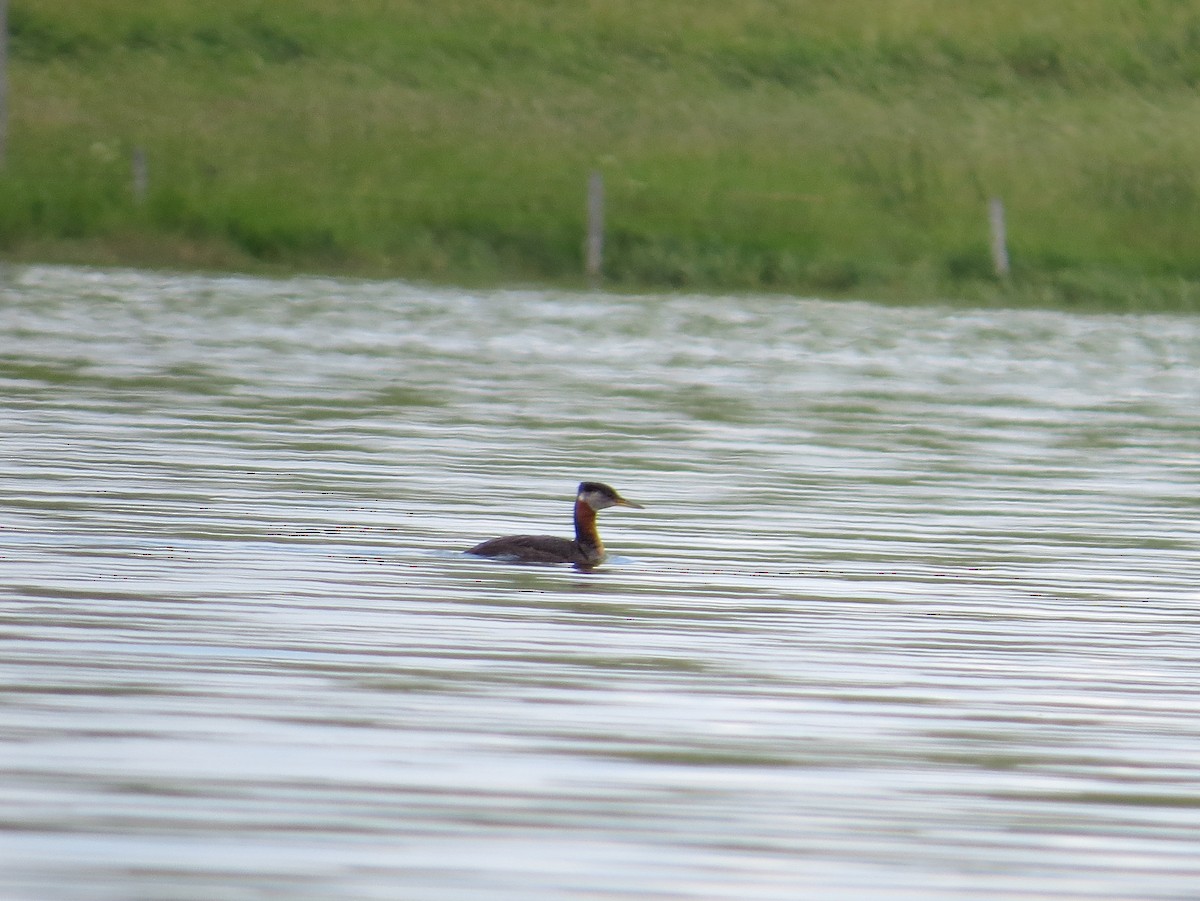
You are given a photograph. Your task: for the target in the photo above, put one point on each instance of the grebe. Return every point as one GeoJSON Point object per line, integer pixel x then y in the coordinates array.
{"type": "Point", "coordinates": [585, 551]}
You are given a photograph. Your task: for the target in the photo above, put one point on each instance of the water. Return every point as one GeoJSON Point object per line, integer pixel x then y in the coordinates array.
{"type": "Point", "coordinates": [911, 612]}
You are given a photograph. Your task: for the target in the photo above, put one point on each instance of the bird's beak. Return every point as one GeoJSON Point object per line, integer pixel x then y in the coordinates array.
{"type": "Point", "coordinates": [621, 502]}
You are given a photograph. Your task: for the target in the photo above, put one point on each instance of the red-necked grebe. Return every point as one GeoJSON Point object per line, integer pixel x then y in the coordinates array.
{"type": "Point", "coordinates": [585, 551]}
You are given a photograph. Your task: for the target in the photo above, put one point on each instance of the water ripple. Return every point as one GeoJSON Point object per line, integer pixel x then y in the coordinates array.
{"type": "Point", "coordinates": [910, 612]}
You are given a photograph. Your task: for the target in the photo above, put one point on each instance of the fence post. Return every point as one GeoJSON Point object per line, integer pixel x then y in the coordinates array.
{"type": "Point", "coordinates": [594, 245]}
{"type": "Point", "coordinates": [3, 83]}
{"type": "Point", "coordinates": [999, 238]}
{"type": "Point", "coordinates": [141, 175]}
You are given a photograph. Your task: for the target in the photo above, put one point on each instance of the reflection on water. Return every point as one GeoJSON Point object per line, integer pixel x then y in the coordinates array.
{"type": "Point", "coordinates": [911, 612]}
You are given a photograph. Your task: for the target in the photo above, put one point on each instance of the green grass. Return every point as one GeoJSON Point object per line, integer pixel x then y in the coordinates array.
{"type": "Point", "coordinates": [838, 147]}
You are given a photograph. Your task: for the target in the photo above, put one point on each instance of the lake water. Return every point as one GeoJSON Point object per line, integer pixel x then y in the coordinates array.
{"type": "Point", "coordinates": [912, 612]}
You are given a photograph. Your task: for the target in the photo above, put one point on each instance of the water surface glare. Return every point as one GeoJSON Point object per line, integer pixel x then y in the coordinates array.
{"type": "Point", "coordinates": [911, 612]}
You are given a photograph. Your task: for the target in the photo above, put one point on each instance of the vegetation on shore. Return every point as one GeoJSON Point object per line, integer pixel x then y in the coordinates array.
{"type": "Point", "coordinates": [835, 147]}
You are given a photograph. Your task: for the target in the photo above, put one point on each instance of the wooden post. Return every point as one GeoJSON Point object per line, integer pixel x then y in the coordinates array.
{"type": "Point", "coordinates": [3, 82]}
{"type": "Point", "coordinates": [141, 175]}
{"type": "Point", "coordinates": [999, 238]}
{"type": "Point", "coordinates": [594, 245]}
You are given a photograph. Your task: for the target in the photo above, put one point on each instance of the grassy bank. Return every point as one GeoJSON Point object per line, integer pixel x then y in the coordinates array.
{"type": "Point", "coordinates": [840, 147]}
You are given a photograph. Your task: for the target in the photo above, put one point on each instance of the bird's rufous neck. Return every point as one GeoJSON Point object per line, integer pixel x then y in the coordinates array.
{"type": "Point", "coordinates": [585, 526]}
